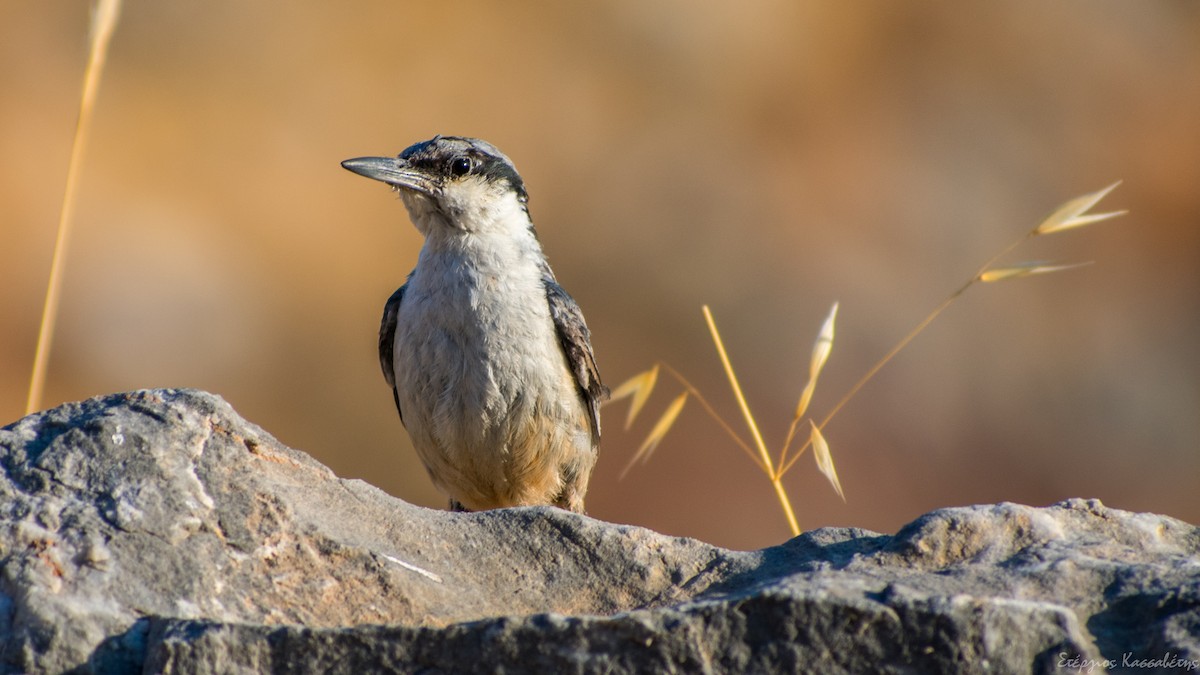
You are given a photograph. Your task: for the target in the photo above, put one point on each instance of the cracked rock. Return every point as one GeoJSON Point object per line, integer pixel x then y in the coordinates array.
{"type": "Point", "coordinates": [158, 531]}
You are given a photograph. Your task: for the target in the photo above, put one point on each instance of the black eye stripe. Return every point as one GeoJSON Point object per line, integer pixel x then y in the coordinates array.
{"type": "Point", "coordinates": [452, 157]}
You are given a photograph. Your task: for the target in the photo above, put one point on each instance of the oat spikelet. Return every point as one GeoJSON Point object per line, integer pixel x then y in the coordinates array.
{"type": "Point", "coordinates": [825, 460]}
{"type": "Point", "coordinates": [657, 433]}
{"type": "Point", "coordinates": [640, 387]}
{"type": "Point", "coordinates": [1074, 213]}
{"type": "Point", "coordinates": [1025, 270]}
{"type": "Point", "coordinates": [820, 354]}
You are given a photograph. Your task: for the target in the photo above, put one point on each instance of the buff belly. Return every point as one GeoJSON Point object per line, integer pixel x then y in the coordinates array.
{"type": "Point", "coordinates": [494, 426]}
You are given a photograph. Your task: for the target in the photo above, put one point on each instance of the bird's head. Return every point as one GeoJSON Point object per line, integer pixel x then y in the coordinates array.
{"type": "Point", "coordinates": [460, 183]}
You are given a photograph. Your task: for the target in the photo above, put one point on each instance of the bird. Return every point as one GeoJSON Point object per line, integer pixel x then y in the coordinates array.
{"type": "Point", "coordinates": [490, 361]}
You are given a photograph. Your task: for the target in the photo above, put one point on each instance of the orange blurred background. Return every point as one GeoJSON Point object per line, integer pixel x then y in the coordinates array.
{"type": "Point", "coordinates": [765, 157]}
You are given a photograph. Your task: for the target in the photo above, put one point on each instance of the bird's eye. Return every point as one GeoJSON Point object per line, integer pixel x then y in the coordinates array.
{"type": "Point", "coordinates": [460, 166]}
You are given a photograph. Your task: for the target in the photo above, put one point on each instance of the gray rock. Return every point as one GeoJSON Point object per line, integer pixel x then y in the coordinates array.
{"type": "Point", "coordinates": [159, 531]}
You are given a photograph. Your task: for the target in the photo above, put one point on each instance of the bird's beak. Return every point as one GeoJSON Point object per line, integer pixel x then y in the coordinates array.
{"type": "Point", "coordinates": [391, 170]}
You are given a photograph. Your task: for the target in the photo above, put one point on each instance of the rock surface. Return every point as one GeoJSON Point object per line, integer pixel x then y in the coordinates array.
{"type": "Point", "coordinates": [158, 531]}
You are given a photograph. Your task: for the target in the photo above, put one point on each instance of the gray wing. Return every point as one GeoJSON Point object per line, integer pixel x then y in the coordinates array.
{"type": "Point", "coordinates": [387, 343]}
{"type": "Point", "coordinates": [576, 343]}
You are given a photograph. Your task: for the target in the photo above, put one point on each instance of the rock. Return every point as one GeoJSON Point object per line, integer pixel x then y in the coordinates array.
{"type": "Point", "coordinates": [159, 531]}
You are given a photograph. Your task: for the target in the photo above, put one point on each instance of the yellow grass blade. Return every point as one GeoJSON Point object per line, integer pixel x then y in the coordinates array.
{"type": "Point", "coordinates": [825, 460]}
{"type": "Point", "coordinates": [657, 433]}
{"type": "Point", "coordinates": [784, 502]}
{"type": "Point", "coordinates": [104, 21]}
{"type": "Point", "coordinates": [1072, 214]}
{"type": "Point", "coordinates": [737, 391]}
{"type": "Point", "coordinates": [640, 387]}
{"type": "Point", "coordinates": [1024, 270]}
{"type": "Point", "coordinates": [820, 354]}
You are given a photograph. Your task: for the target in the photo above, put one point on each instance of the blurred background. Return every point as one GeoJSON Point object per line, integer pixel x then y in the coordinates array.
{"type": "Point", "coordinates": [765, 157]}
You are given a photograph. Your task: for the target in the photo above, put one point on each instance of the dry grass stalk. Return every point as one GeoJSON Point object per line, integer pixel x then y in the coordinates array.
{"type": "Point", "coordinates": [104, 21]}
{"type": "Point", "coordinates": [1072, 214]}
{"type": "Point", "coordinates": [784, 501]}
{"type": "Point", "coordinates": [632, 385]}
{"type": "Point", "coordinates": [640, 386]}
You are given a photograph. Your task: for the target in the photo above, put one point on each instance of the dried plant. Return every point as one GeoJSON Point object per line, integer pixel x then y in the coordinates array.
{"type": "Point", "coordinates": [104, 21]}
{"type": "Point", "coordinates": [1070, 215]}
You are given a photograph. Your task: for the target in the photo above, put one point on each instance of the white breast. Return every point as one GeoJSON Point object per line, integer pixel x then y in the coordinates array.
{"type": "Point", "coordinates": [486, 394]}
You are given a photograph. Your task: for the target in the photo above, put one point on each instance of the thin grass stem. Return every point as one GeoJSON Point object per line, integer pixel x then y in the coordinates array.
{"type": "Point", "coordinates": [893, 352]}
{"type": "Point", "coordinates": [104, 21]}
{"type": "Point", "coordinates": [764, 455]}
{"type": "Point", "coordinates": [787, 443]}
{"type": "Point", "coordinates": [712, 412]}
